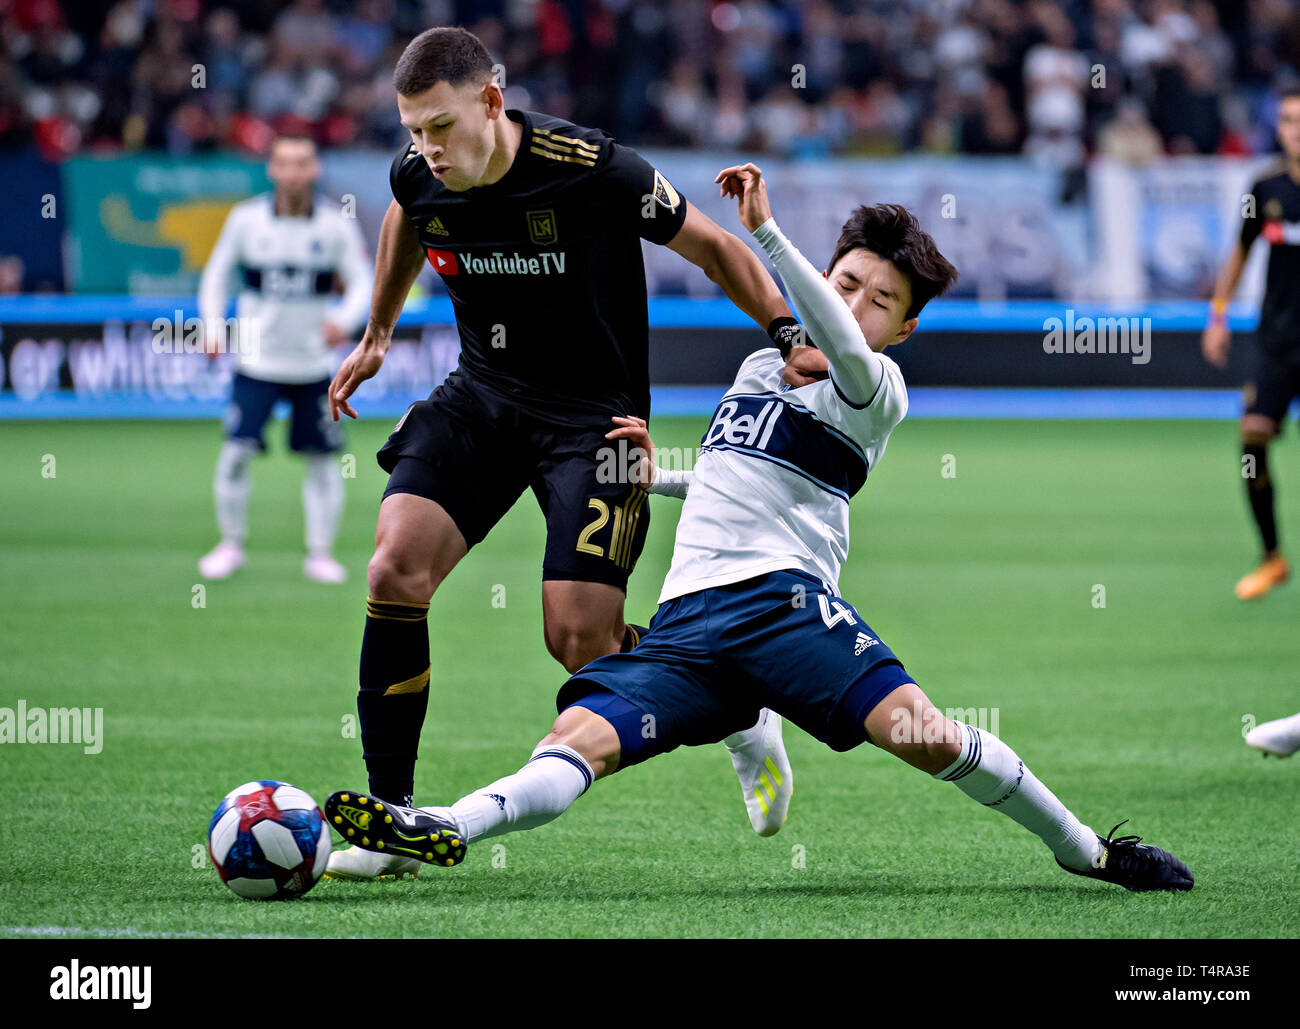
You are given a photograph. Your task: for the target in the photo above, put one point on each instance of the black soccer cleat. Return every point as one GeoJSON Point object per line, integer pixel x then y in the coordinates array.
{"type": "Point", "coordinates": [1127, 861]}
{"type": "Point", "coordinates": [373, 824]}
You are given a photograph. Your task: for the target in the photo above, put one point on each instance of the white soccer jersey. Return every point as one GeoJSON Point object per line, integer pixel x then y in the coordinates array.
{"type": "Point", "coordinates": [777, 466]}
{"type": "Point", "coordinates": [283, 270]}
{"type": "Point", "coordinates": [776, 470]}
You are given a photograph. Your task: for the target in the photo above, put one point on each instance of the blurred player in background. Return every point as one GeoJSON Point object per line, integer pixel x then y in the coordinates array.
{"type": "Point", "coordinates": [1276, 217]}
{"type": "Point", "coordinates": [288, 248]}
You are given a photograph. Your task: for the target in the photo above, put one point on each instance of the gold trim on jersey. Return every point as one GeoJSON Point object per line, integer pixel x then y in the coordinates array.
{"type": "Point", "coordinates": [562, 152]}
{"type": "Point", "coordinates": [560, 157]}
{"type": "Point", "coordinates": [626, 517]}
{"type": "Point", "coordinates": [555, 137]}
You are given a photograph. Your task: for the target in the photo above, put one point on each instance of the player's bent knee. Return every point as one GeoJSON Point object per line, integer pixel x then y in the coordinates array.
{"type": "Point", "coordinates": [590, 735]}
{"type": "Point", "coordinates": [1257, 430]}
{"type": "Point", "coordinates": [575, 647]}
{"type": "Point", "coordinates": [391, 578]}
{"type": "Point", "coordinates": [911, 728]}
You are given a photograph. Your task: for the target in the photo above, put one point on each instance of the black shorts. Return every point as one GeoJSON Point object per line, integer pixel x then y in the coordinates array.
{"type": "Point", "coordinates": [474, 451]}
{"type": "Point", "coordinates": [1275, 385]}
{"type": "Point", "coordinates": [311, 429]}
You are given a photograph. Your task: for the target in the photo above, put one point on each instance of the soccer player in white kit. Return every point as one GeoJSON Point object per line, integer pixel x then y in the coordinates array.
{"type": "Point", "coordinates": [286, 250]}
{"type": "Point", "coordinates": [750, 615]}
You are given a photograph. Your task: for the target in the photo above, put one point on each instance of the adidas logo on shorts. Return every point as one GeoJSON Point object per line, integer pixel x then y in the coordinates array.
{"type": "Point", "coordinates": [864, 641]}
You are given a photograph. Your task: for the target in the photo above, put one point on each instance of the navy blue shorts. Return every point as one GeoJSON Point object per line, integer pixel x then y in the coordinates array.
{"type": "Point", "coordinates": [311, 429]}
{"type": "Point", "coordinates": [713, 659]}
{"type": "Point", "coordinates": [474, 451]}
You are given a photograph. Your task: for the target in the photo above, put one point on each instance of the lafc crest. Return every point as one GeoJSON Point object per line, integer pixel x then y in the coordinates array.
{"type": "Point", "coordinates": [664, 192]}
{"type": "Point", "coordinates": [541, 227]}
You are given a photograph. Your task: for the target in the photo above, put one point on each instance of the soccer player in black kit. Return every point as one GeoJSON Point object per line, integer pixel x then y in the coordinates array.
{"type": "Point", "coordinates": [535, 226]}
{"type": "Point", "coordinates": [1274, 214]}
{"type": "Point", "coordinates": [1276, 217]}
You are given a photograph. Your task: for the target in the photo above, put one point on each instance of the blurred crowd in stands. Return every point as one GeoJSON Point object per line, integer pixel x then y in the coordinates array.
{"type": "Point", "coordinates": [1055, 80]}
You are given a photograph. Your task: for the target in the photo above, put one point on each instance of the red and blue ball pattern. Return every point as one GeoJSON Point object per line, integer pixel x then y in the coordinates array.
{"type": "Point", "coordinates": [268, 840]}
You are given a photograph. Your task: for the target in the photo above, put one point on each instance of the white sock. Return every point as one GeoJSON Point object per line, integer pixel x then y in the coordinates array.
{"type": "Point", "coordinates": [987, 770]}
{"type": "Point", "coordinates": [231, 487]}
{"type": "Point", "coordinates": [322, 502]}
{"type": "Point", "coordinates": [554, 778]}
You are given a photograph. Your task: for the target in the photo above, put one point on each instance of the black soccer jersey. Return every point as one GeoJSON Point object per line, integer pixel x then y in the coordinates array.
{"type": "Point", "coordinates": [1277, 219]}
{"type": "Point", "coordinates": [544, 267]}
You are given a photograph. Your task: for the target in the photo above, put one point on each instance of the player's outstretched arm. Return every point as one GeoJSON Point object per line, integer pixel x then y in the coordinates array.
{"type": "Point", "coordinates": [1216, 339]}
{"type": "Point", "coordinates": [398, 260]}
{"type": "Point", "coordinates": [732, 265]}
{"type": "Point", "coordinates": [856, 368]}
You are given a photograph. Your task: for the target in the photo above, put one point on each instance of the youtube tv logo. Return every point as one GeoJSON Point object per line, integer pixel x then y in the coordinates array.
{"type": "Point", "coordinates": [443, 261]}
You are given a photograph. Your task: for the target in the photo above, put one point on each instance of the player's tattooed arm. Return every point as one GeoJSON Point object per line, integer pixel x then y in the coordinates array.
{"type": "Point", "coordinates": [648, 475]}
{"type": "Point", "coordinates": [398, 260]}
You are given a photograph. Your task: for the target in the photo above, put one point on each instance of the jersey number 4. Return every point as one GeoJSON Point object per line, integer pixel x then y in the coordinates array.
{"type": "Point", "coordinates": [842, 613]}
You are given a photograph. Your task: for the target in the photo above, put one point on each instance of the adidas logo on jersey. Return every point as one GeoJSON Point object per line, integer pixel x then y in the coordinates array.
{"type": "Point", "coordinates": [864, 641]}
{"type": "Point", "coordinates": [435, 227]}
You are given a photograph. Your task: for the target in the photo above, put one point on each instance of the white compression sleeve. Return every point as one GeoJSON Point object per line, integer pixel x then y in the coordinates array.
{"type": "Point", "coordinates": [671, 482]}
{"type": "Point", "coordinates": [856, 369]}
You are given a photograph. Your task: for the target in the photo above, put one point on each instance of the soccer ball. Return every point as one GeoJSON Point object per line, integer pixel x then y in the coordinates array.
{"type": "Point", "coordinates": [268, 840]}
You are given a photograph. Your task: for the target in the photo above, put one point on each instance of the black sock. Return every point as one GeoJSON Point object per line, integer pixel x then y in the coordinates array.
{"type": "Point", "coordinates": [1259, 491]}
{"type": "Point", "coordinates": [632, 635]}
{"type": "Point", "coordinates": [394, 695]}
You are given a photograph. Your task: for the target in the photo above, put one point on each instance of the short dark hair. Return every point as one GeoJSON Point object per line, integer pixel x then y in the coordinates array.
{"type": "Point", "coordinates": [452, 55]}
{"type": "Point", "coordinates": [292, 137]}
{"type": "Point", "coordinates": [891, 232]}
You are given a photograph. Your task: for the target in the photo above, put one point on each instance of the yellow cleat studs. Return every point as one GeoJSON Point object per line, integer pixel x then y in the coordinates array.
{"type": "Point", "coordinates": [388, 819]}
{"type": "Point", "coordinates": [352, 832]}
{"type": "Point", "coordinates": [428, 857]}
{"type": "Point", "coordinates": [338, 820]}
{"type": "Point", "coordinates": [365, 841]}
{"type": "Point", "coordinates": [361, 800]}
{"type": "Point", "coordinates": [379, 807]}
{"type": "Point", "coordinates": [379, 844]}
{"type": "Point", "coordinates": [450, 861]}
{"type": "Point", "coordinates": [345, 797]}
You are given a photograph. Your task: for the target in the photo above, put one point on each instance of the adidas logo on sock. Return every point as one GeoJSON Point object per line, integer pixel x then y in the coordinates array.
{"type": "Point", "coordinates": [501, 801]}
{"type": "Point", "coordinates": [864, 641]}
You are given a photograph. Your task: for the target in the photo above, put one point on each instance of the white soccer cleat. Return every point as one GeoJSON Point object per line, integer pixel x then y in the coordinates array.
{"type": "Point", "coordinates": [357, 865]}
{"type": "Point", "coordinates": [1280, 737]}
{"type": "Point", "coordinates": [323, 568]}
{"type": "Point", "coordinates": [222, 561]}
{"type": "Point", "coordinates": [758, 756]}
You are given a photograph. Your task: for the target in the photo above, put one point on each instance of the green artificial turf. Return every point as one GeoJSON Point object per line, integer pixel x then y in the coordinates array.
{"type": "Point", "coordinates": [983, 583]}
